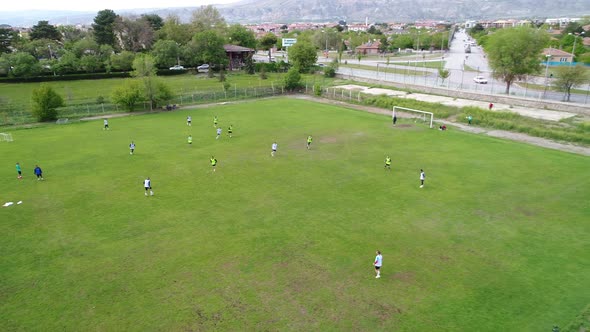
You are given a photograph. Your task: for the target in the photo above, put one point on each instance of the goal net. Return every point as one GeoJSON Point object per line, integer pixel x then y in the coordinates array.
{"type": "Point", "coordinates": [426, 117]}
{"type": "Point", "coordinates": [4, 137]}
{"type": "Point", "coordinates": [62, 121]}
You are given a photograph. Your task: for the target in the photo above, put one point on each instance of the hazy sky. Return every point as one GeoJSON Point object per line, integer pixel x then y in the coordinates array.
{"type": "Point", "coordinates": [95, 5]}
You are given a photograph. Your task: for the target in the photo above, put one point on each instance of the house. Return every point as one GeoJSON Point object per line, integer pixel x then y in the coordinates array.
{"type": "Point", "coordinates": [555, 55]}
{"type": "Point", "coordinates": [237, 55]}
{"type": "Point", "coordinates": [369, 48]}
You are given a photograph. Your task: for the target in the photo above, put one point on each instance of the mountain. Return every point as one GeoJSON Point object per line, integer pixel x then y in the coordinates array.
{"type": "Point", "coordinates": [398, 10]}
{"type": "Point", "coordinates": [286, 11]}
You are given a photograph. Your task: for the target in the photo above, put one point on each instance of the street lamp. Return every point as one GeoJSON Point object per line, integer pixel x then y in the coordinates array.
{"type": "Point", "coordinates": [575, 40]}
{"type": "Point", "coordinates": [547, 57]}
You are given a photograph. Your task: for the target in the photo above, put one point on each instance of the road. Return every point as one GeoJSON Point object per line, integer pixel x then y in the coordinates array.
{"type": "Point", "coordinates": [460, 66]}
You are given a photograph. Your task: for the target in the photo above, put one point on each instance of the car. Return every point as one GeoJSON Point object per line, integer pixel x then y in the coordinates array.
{"type": "Point", "coordinates": [320, 64]}
{"type": "Point", "coordinates": [480, 80]}
{"type": "Point", "coordinates": [203, 67]}
{"type": "Point", "coordinates": [177, 67]}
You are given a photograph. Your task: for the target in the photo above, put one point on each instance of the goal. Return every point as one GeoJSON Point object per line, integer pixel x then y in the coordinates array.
{"type": "Point", "coordinates": [417, 114]}
{"type": "Point", "coordinates": [62, 121]}
{"type": "Point", "coordinates": [4, 137]}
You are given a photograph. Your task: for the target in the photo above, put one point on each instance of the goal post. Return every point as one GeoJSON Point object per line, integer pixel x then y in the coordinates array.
{"type": "Point", "coordinates": [4, 137]}
{"type": "Point", "coordinates": [426, 116]}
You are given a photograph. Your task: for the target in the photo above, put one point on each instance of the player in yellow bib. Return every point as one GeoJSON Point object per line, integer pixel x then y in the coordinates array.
{"type": "Point", "coordinates": [213, 162]}
{"type": "Point", "coordinates": [388, 162]}
{"type": "Point", "coordinates": [309, 140]}
{"type": "Point", "coordinates": [190, 139]}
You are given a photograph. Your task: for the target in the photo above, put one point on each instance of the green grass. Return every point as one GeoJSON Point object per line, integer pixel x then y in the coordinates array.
{"type": "Point", "coordinates": [422, 64]}
{"type": "Point", "coordinates": [389, 70]}
{"type": "Point", "coordinates": [541, 87]}
{"type": "Point", "coordinates": [497, 239]}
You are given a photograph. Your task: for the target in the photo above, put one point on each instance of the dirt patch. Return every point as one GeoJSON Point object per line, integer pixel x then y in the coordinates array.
{"type": "Point", "coordinates": [328, 139]}
{"type": "Point", "coordinates": [407, 277]}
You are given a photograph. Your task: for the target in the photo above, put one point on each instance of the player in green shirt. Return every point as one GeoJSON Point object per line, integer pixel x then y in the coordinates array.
{"type": "Point", "coordinates": [215, 121]}
{"type": "Point", "coordinates": [230, 130]}
{"type": "Point", "coordinates": [388, 163]}
{"type": "Point", "coordinates": [190, 139]}
{"type": "Point", "coordinates": [213, 162]}
{"type": "Point", "coordinates": [19, 171]}
{"type": "Point", "coordinates": [309, 140]}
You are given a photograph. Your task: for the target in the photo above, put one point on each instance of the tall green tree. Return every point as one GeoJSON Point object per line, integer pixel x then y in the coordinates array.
{"type": "Point", "coordinates": [7, 39]}
{"type": "Point", "coordinates": [208, 48]}
{"type": "Point", "coordinates": [173, 29]}
{"type": "Point", "coordinates": [103, 26]}
{"type": "Point", "coordinates": [67, 63]}
{"type": "Point", "coordinates": [303, 55]}
{"type": "Point", "coordinates": [155, 21]}
{"type": "Point", "coordinates": [166, 53]}
{"type": "Point", "coordinates": [568, 77]}
{"type": "Point", "coordinates": [240, 35]}
{"type": "Point", "coordinates": [155, 91]}
{"type": "Point", "coordinates": [122, 61]}
{"type": "Point", "coordinates": [24, 65]}
{"type": "Point", "coordinates": [44, 30]}
{"type": "Point", "coordinates": [45, 103]}
{"type": "Point", "coordinates": [515, 52]}
{"type": "Point", "coordinates": [267, 42]}
{"type": "Point", "coordinates": [127, 95]}
{"type": "Point", "coordinates": [207, 18]}
{"type": "Point", "coordinates": [135, 34]}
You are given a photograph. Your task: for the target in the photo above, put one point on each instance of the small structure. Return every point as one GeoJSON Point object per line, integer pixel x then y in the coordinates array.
{"type": "Point", "coordinates": [237, 55]}
{"type": "Point", "coordinates": [555, 55]}
{"type": "Point", "coordinates": [369, 48]}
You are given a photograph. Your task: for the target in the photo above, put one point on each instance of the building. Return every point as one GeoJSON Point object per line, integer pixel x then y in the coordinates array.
{"type": "Point", "coordinates": [555, 55]}
{"type": "Point", "coordinates": [369, 48]}
{"type": "Point", "coordinates": [237, 55]}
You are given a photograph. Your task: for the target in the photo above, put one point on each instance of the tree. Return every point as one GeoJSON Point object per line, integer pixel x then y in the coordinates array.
{"type": "Point", "coordinates": [166, 53]}
{"type": "Point", "coordinates": [293, 79]}
{"type": "Point", "coordinates": [103, 27]}
{"type": "Point", "coordinates": [154, 90]}
{"type": "Point", "coordinates": [24, 65]}
{"type": "Point", "coordinates": [44, 30]}
{"type": "Point", "coordinates": [568, 77]}
{"type": "Point", "coordinates": [303, 55]}
{"type": "Point", "coordinates": [249, 65]}
{"type": "Point", "coordinates": [477, 28]}
{"type": "Point", "coordinates": [67, 63]}
{"type": "Point", "coordinates": [127, 95]}
{"type": "Point", "coordinates": [207, 47]}
{"type": "Point", "coordinates": [207, 18]}
{"type": "Point", "coordinates": [267, 42]}
{"type": "Point", "coordinates": [7, 39]}
{"type": "Point", "coordinates": [45, 103]}
{"type": "Point", "coordinates": [240, 35]}
{"type": "Point", "coordinates": [154, 20]}
{"type": "Point", "coordinates": [443, 74]}
{"type": "Point", "coordinates": [135, 35]}
{"type": "Point", "coordinates": [91, 63]}
{"type": "Point", "coordinates": [122, 61]}
{"type": "Point", "coordinates": [515, 52]}
{"type": "Point", "coordinates": [173, 29]}
{"type": "Point", "coordinates": [71, 34]}
{"type": "Point", "coordinates": [85, 46]}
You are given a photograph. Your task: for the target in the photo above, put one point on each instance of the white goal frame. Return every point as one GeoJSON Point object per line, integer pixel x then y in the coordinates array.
{"type": "Point", "coordinates": [404, 109]}
{"type": "Point", "coordinates": [4, 137]}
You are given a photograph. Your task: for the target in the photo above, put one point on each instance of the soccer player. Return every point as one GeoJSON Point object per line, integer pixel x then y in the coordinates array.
{"type": "Point", "coordinates": [215, 121]}
{"type": "Point", "coordinates": [230, 130]}
{"type": "Point", "coordinates": [388, 163]}
{"type": "Point", "coordinates": [274, 149]}
{"type": "Point", "coordinates": [190, 139]}
{"type": "Point", "coordinates": [309, 140]}
{"type": "Point", "coordinates": [394, 119]}
{"type": "Point", "coordinates": [38, 172]}
{"type": "Point", "coordinates": [218, 133]}
{"type": "Point", "coordinates": [469, 119]}
{"type": "Point", "coordinates": [422, 178]}
{"type": "Point", "coordinates": [147, 184]}
{"type": "Point", "coordinates": [189, 119]}
{"type": "Point", "coordinates": [213, 162]}
{"type": "Point", "coordinates": [106, 124]}
{"type": "Point", "coordinates": [378, 263]}
{"type": "Point", "coordinates": [131, 147]}
{"type": "Point", "coordinates": [19, 171]}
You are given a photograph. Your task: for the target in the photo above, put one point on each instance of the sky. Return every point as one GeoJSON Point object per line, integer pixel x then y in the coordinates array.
{"type": "Point", "coordinates": [82, 5]}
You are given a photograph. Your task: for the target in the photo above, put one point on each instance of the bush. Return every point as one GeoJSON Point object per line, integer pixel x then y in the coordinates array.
{"type": "Point", "coordinates": [45, 103]}
{"type": "Point", "coordinates": [317, 89]}
{"type": "Point", "coordinates": [329, 71]}
{"type": "Point", "coordinates": [292, 79]}
{"type": "Point", "coordinates": [262, 74]}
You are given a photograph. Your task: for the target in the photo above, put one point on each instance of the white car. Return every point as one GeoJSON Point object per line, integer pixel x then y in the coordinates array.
{"type": "Point", "coordinates": [480, 80]}
{"type": "Point", "coordinates": [204, 67]}
{"type": "Point", "coordinates": [177, 67]}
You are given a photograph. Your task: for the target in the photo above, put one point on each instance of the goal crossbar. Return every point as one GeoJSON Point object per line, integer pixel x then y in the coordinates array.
{"type": "Point", "coordinates": [405, 109]}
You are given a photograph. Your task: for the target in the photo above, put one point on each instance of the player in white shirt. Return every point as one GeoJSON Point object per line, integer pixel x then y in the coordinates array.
{"type": "Point", "coordinates": [274, 149]}
{"type": "Point", "coordinates": [218, 133]}
{"type": "Point", "coordinates": [422, 178]}
{"type": "Point", "coordinates": [378, 262]}
{"type": "Point", "coordinates": [147, 184]}
{"type": "Point", "coordinates": [131, 147]}
{"type": "Point", "coordinates": [189, 120]}
{"type": "Point", "coordinates": [106, 124]}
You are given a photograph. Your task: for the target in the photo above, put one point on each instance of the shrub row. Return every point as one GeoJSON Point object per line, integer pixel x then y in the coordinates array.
{"type": "Point", "coordinates": [70, 77]}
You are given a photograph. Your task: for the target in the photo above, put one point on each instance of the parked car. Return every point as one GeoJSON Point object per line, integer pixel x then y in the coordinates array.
{"type": "Point", "coordinates": [320, 64]}
{"type": "Point", "coordinates": [177, 67]}
{"type": "Point", "coordinates": [203, 67]}
{"type": "Point", "coordinates": [480, 80]}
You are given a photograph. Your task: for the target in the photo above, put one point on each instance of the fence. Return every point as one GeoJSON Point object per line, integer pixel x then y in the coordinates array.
{"type": "Point", "coordinates": [11, 114]}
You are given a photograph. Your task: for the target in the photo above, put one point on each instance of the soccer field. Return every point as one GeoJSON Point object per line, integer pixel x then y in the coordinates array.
{"type": "Point", "coordinates": [496, 240]}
